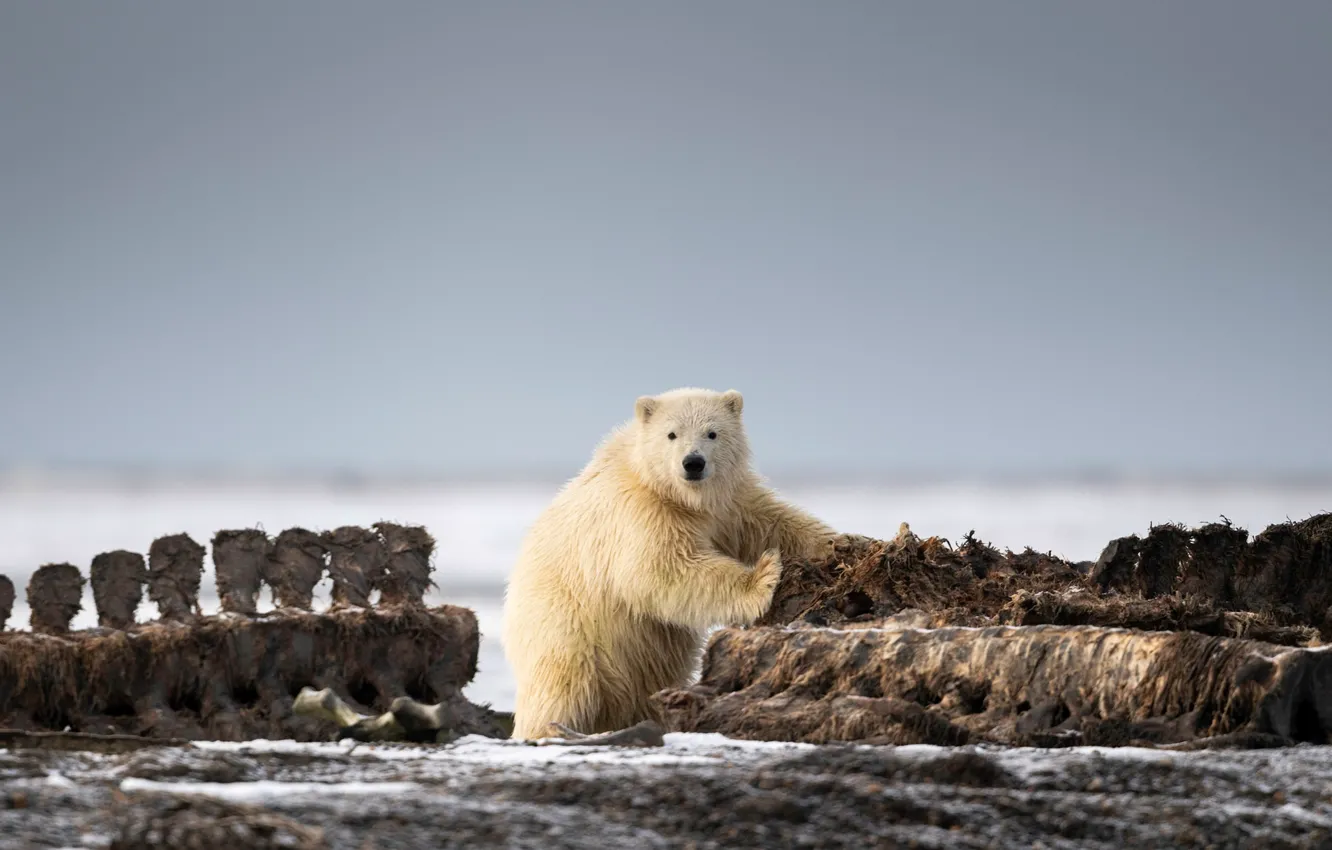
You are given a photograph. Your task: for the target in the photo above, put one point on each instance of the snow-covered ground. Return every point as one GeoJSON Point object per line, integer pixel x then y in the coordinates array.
{"type": "Point", "coordinates": [697, 790]}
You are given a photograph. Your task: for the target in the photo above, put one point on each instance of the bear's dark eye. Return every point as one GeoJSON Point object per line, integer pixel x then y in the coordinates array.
{"type": "Point", "coordinates": [670, 436]}
{"type": "Point", "coordinates": [712, 435]}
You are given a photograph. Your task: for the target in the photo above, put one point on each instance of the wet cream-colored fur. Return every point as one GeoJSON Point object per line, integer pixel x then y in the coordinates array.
{"type": "Point", "coordinates": [620, 578]}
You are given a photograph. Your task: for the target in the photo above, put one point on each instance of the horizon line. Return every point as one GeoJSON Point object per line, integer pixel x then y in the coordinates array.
{"type": "Point", "coordinates": [149, 474]}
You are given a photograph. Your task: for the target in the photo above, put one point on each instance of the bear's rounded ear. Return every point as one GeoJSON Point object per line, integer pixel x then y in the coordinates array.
{"type": "Point", "coordinates": [733, 401]}
{"type": "Point", "coordinates": [644, 406]}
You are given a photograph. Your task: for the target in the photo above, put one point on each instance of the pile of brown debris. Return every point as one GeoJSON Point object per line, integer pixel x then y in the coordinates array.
{"type": "Point", "coordinates": [1184, 637]}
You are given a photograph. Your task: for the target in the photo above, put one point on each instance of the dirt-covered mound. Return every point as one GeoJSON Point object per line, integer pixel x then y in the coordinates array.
{"type": "Point", "coordinates": [1180, 636]}
{"type": "Point", "coordinates": [235, 678]}
{"type": "Point", "coordinates": [1027, 685]}
{"type": "Point", "coordinates": [1276, 587]}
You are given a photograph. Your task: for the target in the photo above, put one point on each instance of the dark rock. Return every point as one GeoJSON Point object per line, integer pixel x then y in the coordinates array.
{"type": "Point", "coordinates": [6, 600]}
{"type": "Point", "coordinates": [117, 583]}
{"type": "Point", "coordinates": [175, 571]}
{"type": "Point", "coordinates": [407, 573]}
{"type": "Point", "coordinates": [55, 596]}
{"type": "Point", "coordinates": [240, 561]}
{"type": "Point", "coordinates": [356, 560]}
{"type": "Point", "coordinates": [294, 567]}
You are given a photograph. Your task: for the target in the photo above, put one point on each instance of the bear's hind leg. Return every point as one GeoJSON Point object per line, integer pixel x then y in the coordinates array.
{"type": "Point", "coordinates": [619, 708]}
{"type": "Point", "coordinates": [557, 693]}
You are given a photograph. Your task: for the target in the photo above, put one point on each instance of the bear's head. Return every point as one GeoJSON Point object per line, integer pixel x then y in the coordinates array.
{"type": "Point", "coordinates": [690, 444]}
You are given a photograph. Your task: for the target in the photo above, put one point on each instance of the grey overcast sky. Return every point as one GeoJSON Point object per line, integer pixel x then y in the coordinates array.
{"type": "Point", "coordinates": [463, 237]}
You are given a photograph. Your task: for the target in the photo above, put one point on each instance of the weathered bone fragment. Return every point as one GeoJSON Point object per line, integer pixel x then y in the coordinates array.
{"type": "Point", "coordinates": [6, 600]}
{"type": "Point", "coordinates": [175, 571]}
{"type": "Point", "coordinates": [356, 560]}
{"type": "Point", "coordinates": [294, 567]}
{"type": "Point", "coordinates": [117, 581]}
{"type": "Point", "coordinates": [406, 575]}
{"type": "Point", "coordinates": [326, 706]}
{"type": "Point", "coordinates": [240, 560]}
{"type": "Point", "coordinates": [55, 596]}
{"type": "Point", "coordinates": [1038, 685]}
{"type": "Point", "coordinates": [645, 733]}
{"type": "Point", "coordinates": [406, 720]}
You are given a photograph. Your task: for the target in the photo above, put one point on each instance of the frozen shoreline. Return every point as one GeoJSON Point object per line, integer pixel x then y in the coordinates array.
{"type": "Point", "coordinates": [701, 789]}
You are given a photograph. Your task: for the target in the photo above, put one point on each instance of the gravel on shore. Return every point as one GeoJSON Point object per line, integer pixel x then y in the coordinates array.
{"type": "Point", "coordinates": [699, 790]}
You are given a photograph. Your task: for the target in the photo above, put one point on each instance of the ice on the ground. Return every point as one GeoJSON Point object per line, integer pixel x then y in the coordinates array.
{"type": "Point", "coordinates": [263, 790]}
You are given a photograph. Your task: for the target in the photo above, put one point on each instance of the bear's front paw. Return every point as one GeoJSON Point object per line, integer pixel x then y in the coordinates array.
{"type": "Point", "coordinates": [768, 571]}
{"type": "Point", "coordinates": [827, 551]}
{"type": "Point", "coordinates": [848, 545]}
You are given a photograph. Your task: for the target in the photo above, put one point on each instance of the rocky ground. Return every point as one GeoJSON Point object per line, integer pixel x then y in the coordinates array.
{"type": "Point", "coordinates": [697, 791]}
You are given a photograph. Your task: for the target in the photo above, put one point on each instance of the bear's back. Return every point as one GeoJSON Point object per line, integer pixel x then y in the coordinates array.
{"type": "Point", "coordinates": [585, 520]}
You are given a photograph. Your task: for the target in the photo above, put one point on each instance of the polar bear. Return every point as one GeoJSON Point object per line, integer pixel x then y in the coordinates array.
{"type": "Point", "coordinates": [619, 580]}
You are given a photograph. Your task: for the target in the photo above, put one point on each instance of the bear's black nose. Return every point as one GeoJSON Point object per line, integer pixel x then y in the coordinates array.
{"type": "Point", "coordinates": [693, 466]}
